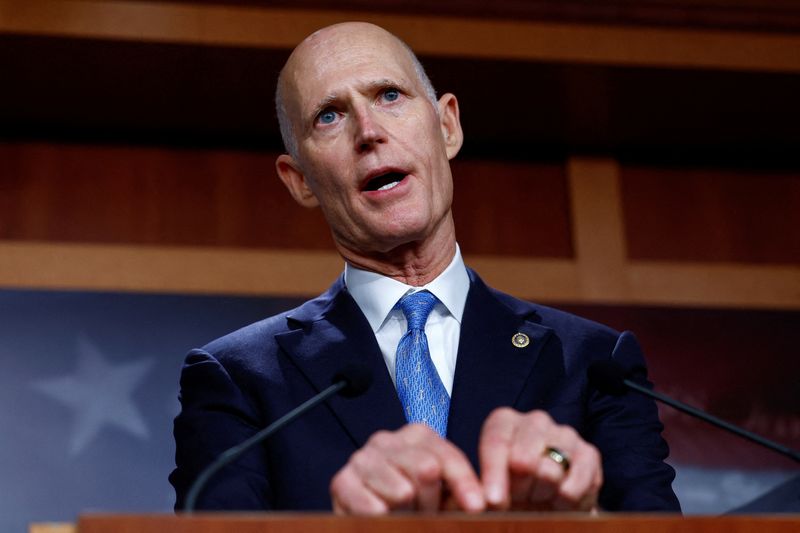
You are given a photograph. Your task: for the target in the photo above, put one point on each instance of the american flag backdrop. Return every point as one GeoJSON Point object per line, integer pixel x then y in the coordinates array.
{"type": "Point", "coordinates": [89, 387]}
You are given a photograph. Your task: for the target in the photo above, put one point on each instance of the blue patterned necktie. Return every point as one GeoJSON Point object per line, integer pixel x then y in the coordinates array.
{"type": "Point", "coordinates": [421, 392]}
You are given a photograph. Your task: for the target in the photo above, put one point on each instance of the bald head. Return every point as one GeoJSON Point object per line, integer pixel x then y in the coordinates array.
{"type": "Point", "coordinates": [330, 48]}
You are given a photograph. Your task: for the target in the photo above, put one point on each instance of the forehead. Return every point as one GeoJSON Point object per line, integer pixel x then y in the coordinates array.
{"type": "Point", "coordinates": [331, 62]}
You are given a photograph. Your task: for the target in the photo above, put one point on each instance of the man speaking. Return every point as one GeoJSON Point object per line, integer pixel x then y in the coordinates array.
{"type": "Point", "coordinates": [480, 401]}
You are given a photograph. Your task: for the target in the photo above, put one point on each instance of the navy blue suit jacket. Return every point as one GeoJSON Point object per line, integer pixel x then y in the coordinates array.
{"type": "Point", "coordinates": [240, 383]}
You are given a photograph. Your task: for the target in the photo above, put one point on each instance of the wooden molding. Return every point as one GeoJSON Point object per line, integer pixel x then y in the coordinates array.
{"type": "Point", "coordinates": [166, 269]}
{"type": "Point", "coordinates": [231, 271]}
{"type": "Point", "coordinates": [714, 285]}
{"type": "Point", "coordinates": [597, 226]}
{"type": "Point", "coordinates": [534, 279]}
{"type": "Point", "coordinates": [608, 276]}
{"type": "Point", "coordinates": [194, 270]}
{"type": "Point", "coordinates": [216, 25]}
{"type": "Point", "coordinates": [52, 527]}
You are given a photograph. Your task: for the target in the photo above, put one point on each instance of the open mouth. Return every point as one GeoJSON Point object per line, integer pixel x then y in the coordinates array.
{"type": "Point", "coordinates": [384, 182]}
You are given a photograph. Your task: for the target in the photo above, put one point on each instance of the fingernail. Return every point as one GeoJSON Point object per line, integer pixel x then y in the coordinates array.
{"type": "Point", "coordinates": [494, 494]}
{"type": "Point", "coordinates": [474, 500]}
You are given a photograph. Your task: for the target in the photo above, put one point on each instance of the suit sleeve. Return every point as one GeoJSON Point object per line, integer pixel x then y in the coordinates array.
{"type": "Point", "coordinates": [627, 431]}
{"type": "Point", "coordinates": [215, 416]}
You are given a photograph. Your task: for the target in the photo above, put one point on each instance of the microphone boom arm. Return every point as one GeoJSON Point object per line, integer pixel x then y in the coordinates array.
{"type": "Point", "coordinates": [693, 411]}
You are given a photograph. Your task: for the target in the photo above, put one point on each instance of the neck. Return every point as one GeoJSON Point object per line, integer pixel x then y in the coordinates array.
{"type": "Point", "coordinates": [416, 263]}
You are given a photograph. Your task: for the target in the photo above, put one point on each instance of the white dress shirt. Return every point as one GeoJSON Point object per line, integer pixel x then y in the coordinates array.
{"type": "Point", "coordinates": [377, 295]}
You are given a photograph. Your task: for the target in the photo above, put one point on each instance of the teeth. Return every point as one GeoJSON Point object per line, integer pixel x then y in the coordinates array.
{"type": "Point", "coordinates": [389, 186]}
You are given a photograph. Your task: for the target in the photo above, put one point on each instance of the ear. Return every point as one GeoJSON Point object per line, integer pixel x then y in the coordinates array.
{"type": "Point", "coordinates": [290, 174]}
{"type": "Point", "coordinates": [451, 124]}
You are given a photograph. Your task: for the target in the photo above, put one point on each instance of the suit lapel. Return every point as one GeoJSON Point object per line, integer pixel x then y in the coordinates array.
{"type": "Point", "coordinates": [490, 370]}
{"type": "Point", "coordinates": [330, 333]}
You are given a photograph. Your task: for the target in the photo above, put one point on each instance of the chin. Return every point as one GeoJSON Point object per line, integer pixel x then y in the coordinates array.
{"type": "Point", "coordinates": [386, 242]}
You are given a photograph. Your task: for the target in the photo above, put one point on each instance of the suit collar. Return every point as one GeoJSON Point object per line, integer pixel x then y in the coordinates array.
{"type": "Point", "coordinates": [491, 371]}
{"type": "Point", "coordinates": [328, 333]}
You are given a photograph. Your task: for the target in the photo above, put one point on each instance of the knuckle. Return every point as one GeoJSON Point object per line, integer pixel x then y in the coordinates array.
{"type": "Point", "coordinates": [337, 482]}
{"type": "Point", "coordinates": [342, 484]}
{"type": "Point", "coordinates": [417, 432]}
{"type": "Point", "coordinates": [500, 417]}
{"type": "Point", "coordinates": [494, 440]}
{"type": "Point", "coordinates": [403, 494]}
{"type": "Point", "coordinates": [361, 459]}
{"type": "Point", "coordinates": [381, 439]}
{"type": "Point", "coordinates": [588, 456]}
{"type": "Point", "coordinates": [427, 468]}
{"type": "Point", "coordinates": [503, 414]}
{"type": "Point", "coordinates": [569, 434]}
{"type": "Point", "coordinates": [594, 454]}
{"type": "Point", "coordinates": [539, 419]}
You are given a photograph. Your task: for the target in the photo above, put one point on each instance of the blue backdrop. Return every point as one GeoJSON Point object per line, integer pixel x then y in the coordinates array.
{"type": "Point", "coordinates": [89, 390]}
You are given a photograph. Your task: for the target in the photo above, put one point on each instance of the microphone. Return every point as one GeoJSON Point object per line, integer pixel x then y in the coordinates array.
{"type": "Point", "coordinates": [610, 378]}
{"type": "Point", "coordinates": [350, 381]}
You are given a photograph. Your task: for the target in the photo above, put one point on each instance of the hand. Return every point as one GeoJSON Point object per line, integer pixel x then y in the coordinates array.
{"type": "Point", "coordinates": [517, 474]}
{"type": "Point", "coordinates": [410, 468]}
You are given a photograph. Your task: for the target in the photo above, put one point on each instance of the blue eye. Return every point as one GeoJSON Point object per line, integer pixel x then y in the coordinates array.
{"type": "Point", "coordinates": [327, 117]}
{"type": "Point", "coordinates": [390, 95]}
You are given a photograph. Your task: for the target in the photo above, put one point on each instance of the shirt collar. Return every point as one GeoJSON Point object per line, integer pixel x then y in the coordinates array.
{"type": "Point", "coordinates": [377, 294]}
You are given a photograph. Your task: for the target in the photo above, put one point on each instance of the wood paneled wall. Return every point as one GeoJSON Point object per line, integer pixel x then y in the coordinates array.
{"type": "Point", "coordinates": [156, 196]}
{"type": "Point", "coordinates": [233, 198]}
{"type": "Point", "coordinates": [711, 214]}
{"type": "Point", "coordinates": [602, 164]}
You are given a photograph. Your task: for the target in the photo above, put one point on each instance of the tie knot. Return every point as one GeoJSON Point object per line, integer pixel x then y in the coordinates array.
{"type": "Point", "coordinates": [416, 307]}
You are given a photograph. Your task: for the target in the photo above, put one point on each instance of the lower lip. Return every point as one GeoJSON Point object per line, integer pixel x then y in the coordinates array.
{"type": "Point", "coordinates": [397, 189]}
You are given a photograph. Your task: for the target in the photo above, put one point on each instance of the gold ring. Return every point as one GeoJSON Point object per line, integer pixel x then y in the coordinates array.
{"type": "Point", "coordinates": [558, 456]}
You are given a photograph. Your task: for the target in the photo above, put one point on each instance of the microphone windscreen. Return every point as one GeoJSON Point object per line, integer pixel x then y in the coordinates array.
{"type": "Point", "coordinates": [608, 377]}
{"type": "Point", "coordinates": [357, 377]}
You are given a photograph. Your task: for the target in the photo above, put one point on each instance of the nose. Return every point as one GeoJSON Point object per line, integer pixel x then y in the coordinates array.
{"type": "Point", "coordinates": [368, 130]}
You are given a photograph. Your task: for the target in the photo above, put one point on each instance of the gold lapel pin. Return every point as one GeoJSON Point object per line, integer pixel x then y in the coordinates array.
{"type": "Point", "coordinates": [520, 340]}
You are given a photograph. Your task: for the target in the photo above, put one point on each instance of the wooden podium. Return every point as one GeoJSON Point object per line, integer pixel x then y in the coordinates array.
{"type": "Point", "coordinates": [449, 523]}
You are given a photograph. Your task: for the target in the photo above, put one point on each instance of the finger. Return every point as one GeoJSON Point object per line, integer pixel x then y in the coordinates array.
{"type": "Point", "coordinates": [494, 450]}
{"type": "Point", "coordinates": [403, 470]}
{"type": "Point", "coordinates": [421, 464]}
{"type": "Point", "coordinates": [552, 475]}
{"type": "Point", "coordinates": [534, 432]}
{"type": "Point", "coordinates": [580, 489]}
{"type": "Point", "coordinates": [382, 477]}
{"type": "Point", "coordinates": [460, 477]}
{"type": "Point", "coordinates": [526, 461]}
{"type": "Point", "coordinates": [433, 464]}
{"type": "Point", "coordinates": [546, 480]}
{"type": "Point", "coordinates": [452, 473]}
{"type": "Point", "coordinates": [351, 496]}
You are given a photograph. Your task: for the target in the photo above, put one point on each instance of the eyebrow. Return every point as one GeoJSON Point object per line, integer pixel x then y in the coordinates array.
{"type": "Point", "coordinates": [371, 86]}
{"type": "Point", "coordinates": [385, 82]}
{"type": "Point", "coordinates": [325, 102]}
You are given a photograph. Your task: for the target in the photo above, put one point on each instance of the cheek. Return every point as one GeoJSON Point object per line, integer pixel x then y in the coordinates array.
{"type": "Point", "coordinates": [333, 174]}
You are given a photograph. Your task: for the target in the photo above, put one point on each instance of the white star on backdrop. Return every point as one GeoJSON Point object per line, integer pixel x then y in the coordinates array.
{"type": "Point", "coordinates": [99, 393]}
